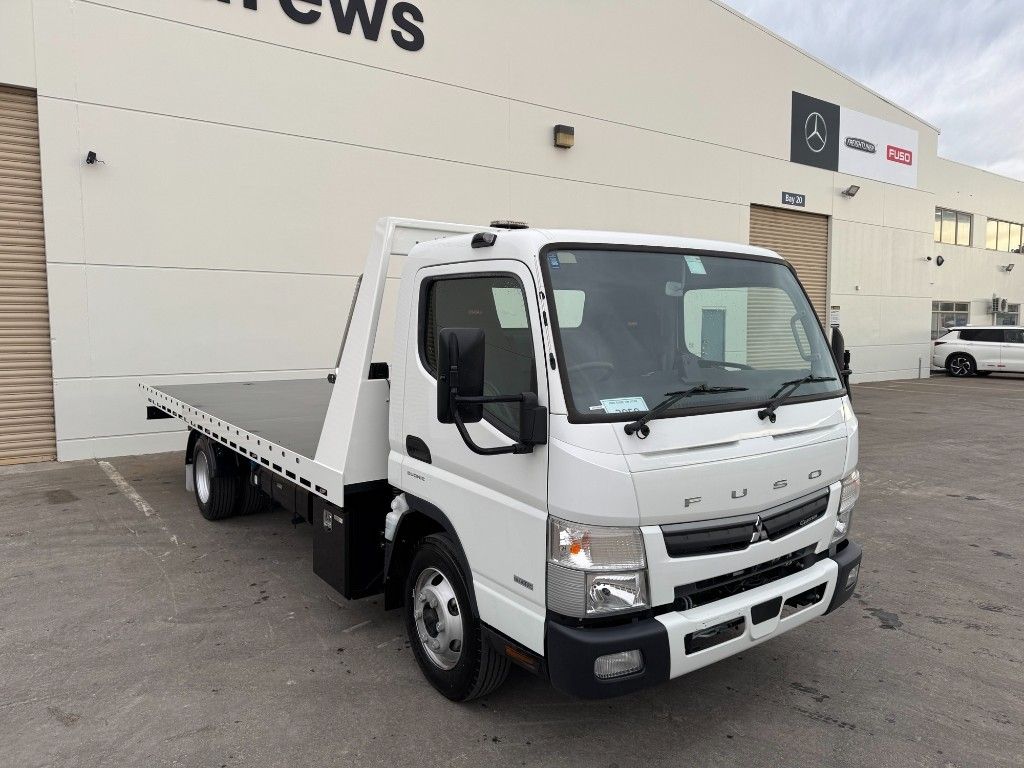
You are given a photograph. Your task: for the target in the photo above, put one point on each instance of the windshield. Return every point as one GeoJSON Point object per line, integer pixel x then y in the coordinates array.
{"type": "Point", "coordinates": [635, 325]}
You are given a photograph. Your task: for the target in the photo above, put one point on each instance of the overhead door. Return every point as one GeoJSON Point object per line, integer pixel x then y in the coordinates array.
{"type": "Point", "coordinates": [801, 239]}
{"type": "Point", "coordinates": [26, 375]}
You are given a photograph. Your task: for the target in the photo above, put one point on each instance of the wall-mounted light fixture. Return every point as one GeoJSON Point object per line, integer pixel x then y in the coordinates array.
{"type": "Point", "coordinates": [939, 260]}
{"type": "Point", "coordinates": [91, 158]}
{"type": "Point", "coordinates": [1008, 268]}
{"type": "Point", "coordinates": [565, 136]}
{"type": "Point", "coordinates": [851, 191]}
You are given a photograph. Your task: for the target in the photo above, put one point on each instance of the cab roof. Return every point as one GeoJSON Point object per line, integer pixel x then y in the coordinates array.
{"type": "Point", "coordinates": [535, 239]}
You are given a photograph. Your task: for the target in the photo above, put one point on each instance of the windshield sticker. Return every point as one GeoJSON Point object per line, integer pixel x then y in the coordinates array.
{"type": "Point", "coordinates": [624, 405]}
{"type": "Point", "coordinates": [553, 260]}
{"type": "Point", "coordinates": [696, 265]}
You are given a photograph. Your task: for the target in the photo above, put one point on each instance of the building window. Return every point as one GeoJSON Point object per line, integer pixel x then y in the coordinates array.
{"type": "Point", "coordinates": [953, 227]}
{"type": "Point", "coordinates": [1010, 317]}
{"type": "Point", "coordinates": [949, 314]}
{"type": "Point", "coordinates": [1003, 236]}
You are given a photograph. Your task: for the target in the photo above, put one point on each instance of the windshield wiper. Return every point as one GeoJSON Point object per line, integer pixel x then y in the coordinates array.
{"type": "Point", "coordinates": [640, 428]}
{"type": "Point", "coordinates": [784, 392]}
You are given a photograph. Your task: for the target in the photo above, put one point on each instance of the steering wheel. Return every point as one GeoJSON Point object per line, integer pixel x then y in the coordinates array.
{"type": "Point", "coordinates": [596, 365]}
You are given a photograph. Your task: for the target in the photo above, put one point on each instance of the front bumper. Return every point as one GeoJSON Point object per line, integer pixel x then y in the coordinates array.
{"type": "Point", "coordinates": [662, 640]}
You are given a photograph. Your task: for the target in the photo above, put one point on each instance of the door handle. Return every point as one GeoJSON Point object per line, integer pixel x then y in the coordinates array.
{"type": "Point", "coordinates": [417, 449]}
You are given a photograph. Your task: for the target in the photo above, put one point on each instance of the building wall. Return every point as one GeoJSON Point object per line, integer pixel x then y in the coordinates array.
{"type": "Point", "coordinates": [973, 273]}
{"type": "Point", "coordinates": [246, 157]}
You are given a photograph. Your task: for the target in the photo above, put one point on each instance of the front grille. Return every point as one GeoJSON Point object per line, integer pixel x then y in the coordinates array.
{"type": "Point", "coordinates": [735, 534]}
{"type": "Point", "coordinates": [717, 588]}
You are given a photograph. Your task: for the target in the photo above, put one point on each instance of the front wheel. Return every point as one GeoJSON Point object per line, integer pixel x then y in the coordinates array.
{"type": "Point", "coordinates": [961, 365]}
{"type": "Point", "coordinates": [444, 631]}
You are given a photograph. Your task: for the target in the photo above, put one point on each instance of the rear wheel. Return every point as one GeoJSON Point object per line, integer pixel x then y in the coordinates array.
{"type": "Point", "coordinates": [251, 498]}
{"type": "Point", "coordinates": [216, 493]}
{"type": "Point", "coordinates": [961, 365]}
{"type": "Point", "coordinates": [444, 631]}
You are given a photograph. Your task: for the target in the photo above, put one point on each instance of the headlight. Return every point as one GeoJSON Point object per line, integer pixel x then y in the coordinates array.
{"type": "Point", "coordinates": [607, 592]}
{"type": "Point", "coordinates": [847, 501]}
{"type": "Point", "coordinates": [595, 569]}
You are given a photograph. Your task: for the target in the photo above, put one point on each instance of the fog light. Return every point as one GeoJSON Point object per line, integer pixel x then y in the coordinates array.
{"type": "Point", "coordinates": [618, 664]}
{"type": "Point", "coordinates": [851, 577]}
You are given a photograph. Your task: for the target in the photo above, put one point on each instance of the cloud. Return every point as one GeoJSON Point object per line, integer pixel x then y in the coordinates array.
{"type": "Point", "coordinates": [955, 64]}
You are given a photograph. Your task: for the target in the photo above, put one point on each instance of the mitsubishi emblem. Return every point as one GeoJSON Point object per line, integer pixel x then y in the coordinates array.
{"type": "Point", "coordinates": [758, 530]}
{"type": "Point", "coordinates": [815, 132]}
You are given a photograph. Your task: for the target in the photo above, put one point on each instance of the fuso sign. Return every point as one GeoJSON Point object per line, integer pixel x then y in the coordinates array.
{"type": "Point", "coordinates": [899, 155]}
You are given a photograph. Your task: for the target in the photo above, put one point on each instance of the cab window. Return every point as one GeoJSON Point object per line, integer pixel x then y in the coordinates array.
{"type": "Point", "coordinates": [497, 305]}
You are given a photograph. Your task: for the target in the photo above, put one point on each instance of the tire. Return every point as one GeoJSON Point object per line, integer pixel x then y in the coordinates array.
{"type": "Point", "coordinates": [216, 496]}
{"type": "Point", "coordinates": [459, 668]}
{"type": "Point", "coordinates": [961, 365]}
{"type": "Point", "coordinates": [251, 500]}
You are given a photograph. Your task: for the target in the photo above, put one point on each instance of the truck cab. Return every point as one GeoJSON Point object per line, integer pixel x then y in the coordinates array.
{"type": "Point", "coordinates": [607, 458]}
{"type": "Point", "coordinates": [607, 553]}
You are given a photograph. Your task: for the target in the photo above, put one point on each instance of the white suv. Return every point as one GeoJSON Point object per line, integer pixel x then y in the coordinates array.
{"type": "Point", "coordinates": [980, 350]}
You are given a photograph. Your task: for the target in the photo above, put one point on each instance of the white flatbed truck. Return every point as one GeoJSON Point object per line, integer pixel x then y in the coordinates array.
{"type": "Point", "coordinates": [608, 458]}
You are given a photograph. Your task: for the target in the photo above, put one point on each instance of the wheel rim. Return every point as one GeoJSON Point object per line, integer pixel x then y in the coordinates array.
{"type": "Point", "coordinates": [202, 477]}
{"type": "Point", "coordinates": [960, 366]}
{"type": "Point", "coordinates": [438, 618]}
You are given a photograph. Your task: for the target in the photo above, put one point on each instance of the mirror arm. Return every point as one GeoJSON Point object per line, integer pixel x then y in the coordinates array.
{"type": "Point", "coordinates": [467, 438]}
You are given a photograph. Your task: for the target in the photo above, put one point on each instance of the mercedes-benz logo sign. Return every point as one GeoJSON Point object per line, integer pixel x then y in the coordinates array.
{"type": "Point", "coordinates": [815, 132]}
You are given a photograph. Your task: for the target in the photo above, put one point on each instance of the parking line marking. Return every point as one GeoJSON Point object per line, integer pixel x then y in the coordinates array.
{"type": "Point", "coordinates": [357, 626]}
{"type": "Point", "coordinates": [126, 488]}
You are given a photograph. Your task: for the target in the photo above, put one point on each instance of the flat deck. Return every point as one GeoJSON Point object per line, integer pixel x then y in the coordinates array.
{"type": "Point", "coordinates": [289, 413]}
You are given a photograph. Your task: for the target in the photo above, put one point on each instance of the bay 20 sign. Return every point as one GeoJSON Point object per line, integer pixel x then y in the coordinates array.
{"type": "Point", "coordinates": [835, 138]}
{"type": "Point", "coordinates": [406, 19]}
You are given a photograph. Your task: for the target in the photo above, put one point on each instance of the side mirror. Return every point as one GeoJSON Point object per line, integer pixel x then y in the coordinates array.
{"type": "Point", "coordinates": [838, 346]}
{"type": "Point", "coordinates": [841, 355]}
{"type": "Point", "coordinates": [460, 368]}
{"type": "Point", "coordinates": [460, 393]}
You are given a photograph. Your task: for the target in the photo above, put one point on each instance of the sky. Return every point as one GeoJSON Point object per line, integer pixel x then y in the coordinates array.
{"type": "Point", "coordinates": [958, 64]}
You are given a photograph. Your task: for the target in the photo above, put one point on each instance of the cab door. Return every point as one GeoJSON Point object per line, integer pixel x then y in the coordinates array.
{"type": "Point", "coordinates": [497, 504]}
{"type": "Point", "coordinates": [1013, 350]}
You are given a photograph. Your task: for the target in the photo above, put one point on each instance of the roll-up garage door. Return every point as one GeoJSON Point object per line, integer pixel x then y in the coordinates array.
{"type": "Point", "coordinates": [26, 374]}
{"type": "Point", "coordinates": [801, 239]}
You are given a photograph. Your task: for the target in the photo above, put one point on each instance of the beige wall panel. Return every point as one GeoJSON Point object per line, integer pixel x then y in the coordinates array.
{"type": "Point", "coordinates": [191, 72]}
{"type": "Point", "coordinates": [623, 156]}
{"type": "Point", "coordinates": [17, 44]}
{"type": "Point", "coordinates": [764, 179]}
{"type": "Point", "coordinates": [120, 445]}
{"type": "Point", "coordinates": [178, 192]}
{"type": "Point", "coordinates": [464, 44]}
{"type": "Point", "coordinates": [146, 321]}
{"type": "Point", "coordinates": [69, 321]}
{"type": "Point", "coordinates": [63, 161]}
{"type": "Point", "coordinates": [577, 59]}
{"type": "Point", "coordinates": [58, 51]}
{"type": "Point", "coordinates": [875, 260]}
{"type": "Point", "coordinates": [545, 202]}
